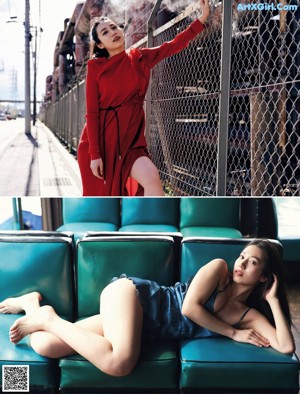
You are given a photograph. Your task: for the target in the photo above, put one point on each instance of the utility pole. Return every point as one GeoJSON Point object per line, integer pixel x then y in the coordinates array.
{"type": "Point", "coordinates": [34, 77]}
{"type": "Point", "coordinates": [27, 70]}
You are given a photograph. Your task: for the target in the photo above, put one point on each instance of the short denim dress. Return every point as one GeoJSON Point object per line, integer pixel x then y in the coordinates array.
{"type": "Point", "coordinates": [162, 317]}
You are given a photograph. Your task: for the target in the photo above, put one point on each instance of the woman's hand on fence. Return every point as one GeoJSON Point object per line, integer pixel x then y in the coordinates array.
{"type": "Point", "coordinates": [204, 5]}
{"type": "Point", "coordinates": [97, 168]}
{"type": "Point", "coordinates": [250, 336]}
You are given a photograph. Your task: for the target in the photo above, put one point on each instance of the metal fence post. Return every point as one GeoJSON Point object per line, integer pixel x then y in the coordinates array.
{"type": "Point", "coordinates": [150, 45]}
{"type": "Point", "coordinates": [224, 98]}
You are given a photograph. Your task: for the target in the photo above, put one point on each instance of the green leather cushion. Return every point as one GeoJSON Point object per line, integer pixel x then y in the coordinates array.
{"type": "Point", "coordinates": [106, 210]}
{"type": "Point", "coordinates": [150, 211]}
{"type": "Point", "coordinates": [42, 371]}
{"type": "Point", "coordinates": [223, 363]}
{"type": "Point", "coordinates": [102, 258]}
{"type": "Point", "coordinates": [157, 369]}
{"type": "Point", "coordinates": [224, 232]}
{"type": "Point", "coordinates": [210, 212]}
{"type": "Point", "coordinates": [198, 252]}
{"type": "Point", "coordinates": [43, 264]}
{"type": "Point", "coordinates": [148, 227]}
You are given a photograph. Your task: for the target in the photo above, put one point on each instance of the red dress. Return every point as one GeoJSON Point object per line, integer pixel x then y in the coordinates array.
{"type": "Point", "coordinates": [115, 120]}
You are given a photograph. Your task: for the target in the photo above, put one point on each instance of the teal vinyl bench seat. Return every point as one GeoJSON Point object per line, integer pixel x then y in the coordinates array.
{"type": "Point", "coordinates": [90, 214]}
{"type": "Point", "coordinates": [151, 227]}
{"type": "Point", "coordinates": [215, 363]}
{"type": "Point", "coordinates": [221, 232]}
{"type": "Point", "coordinates": [72, 285]}
{"type": "Point", "coordinates": [157, 370]}
{"type": "Point", "coordinates": [149, 214]}
{"type": "Point", "coordinates": [35, 263]}
{"type": "Point", "coordinates": [210, 217]}
{"type": "Point", "coordinates": [99, 259]}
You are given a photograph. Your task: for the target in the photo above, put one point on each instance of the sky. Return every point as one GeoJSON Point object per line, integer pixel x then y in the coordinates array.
{"type": "Point", "coordinates": [12, 42]}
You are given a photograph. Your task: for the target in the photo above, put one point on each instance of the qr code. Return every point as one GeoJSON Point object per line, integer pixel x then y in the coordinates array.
{"type": "Point", "coordinates": [15, 378]}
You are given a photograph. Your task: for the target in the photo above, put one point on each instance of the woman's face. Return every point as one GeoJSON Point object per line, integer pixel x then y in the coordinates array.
{"type": "Point", "coordinates": [111, 36]}
{"type": "Point", "coordinates": [249, 266]}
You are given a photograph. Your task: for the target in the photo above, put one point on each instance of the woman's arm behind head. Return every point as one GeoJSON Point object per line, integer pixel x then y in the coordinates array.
{"type": "Point", "coordinates": [273, 265]}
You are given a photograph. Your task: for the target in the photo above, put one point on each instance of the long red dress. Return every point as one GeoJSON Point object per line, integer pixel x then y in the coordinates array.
{"type": "Point", "coordinates": [115, 120]}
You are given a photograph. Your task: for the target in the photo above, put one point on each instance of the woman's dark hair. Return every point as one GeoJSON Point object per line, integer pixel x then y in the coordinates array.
{"type": "Point", "coordinates": [98, 52]}
{"type": "Point", "coordinates": [273, 264]}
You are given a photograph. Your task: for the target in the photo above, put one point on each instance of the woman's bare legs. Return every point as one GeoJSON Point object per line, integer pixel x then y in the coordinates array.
{"type": "Point", "coordinates": [146, 174]}
{"type": "Point", "coordinates": [45, 343]}
{"type": "Point", "coordinates": [121, 316]}
{"type": "Point", "coordinates": [49, 345]}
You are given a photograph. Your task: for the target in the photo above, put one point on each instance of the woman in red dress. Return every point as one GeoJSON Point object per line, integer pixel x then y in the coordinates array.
{"type": "Point", "coordinates": [113, 145]}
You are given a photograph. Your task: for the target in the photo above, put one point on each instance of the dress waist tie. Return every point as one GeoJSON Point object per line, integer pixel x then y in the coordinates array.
{"type": "Point", "coordinates": [103, 135]}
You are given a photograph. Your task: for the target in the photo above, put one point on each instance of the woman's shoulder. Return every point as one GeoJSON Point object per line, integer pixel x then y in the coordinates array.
{"type": "Point", "coordinates": [215, 270]}
{"type": "Point", "coordinates": [218, 268]}
{"type": "Point", "coordinates": [219, 264]}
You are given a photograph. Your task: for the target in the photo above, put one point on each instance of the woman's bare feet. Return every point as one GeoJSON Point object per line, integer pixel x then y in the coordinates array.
{"type": "Point", "coordinates": [36, 321]}
{"type": "Point", "coordinates": [20, 304]}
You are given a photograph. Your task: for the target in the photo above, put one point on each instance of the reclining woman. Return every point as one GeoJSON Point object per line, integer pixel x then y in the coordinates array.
{"type": "Point", "coordinates": [248, 305]}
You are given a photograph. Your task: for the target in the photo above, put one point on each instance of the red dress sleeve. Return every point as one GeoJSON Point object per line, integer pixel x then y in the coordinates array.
{"type": "Point", "coordinates": [92, 110]}
{"type": "Point", "coordinates": [152, 56]}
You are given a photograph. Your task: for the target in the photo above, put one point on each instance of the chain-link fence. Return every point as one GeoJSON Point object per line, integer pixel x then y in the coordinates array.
{"type": "Point", "coordinates": [66, 117]}
{"type": "Point", "coordinates": [264, 101]}
{"type": "Point", "coordinates": [223, 116]}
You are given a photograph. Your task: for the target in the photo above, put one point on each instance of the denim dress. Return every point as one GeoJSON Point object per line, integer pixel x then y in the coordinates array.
{"type": "Point", "coordinates": [162, 317]}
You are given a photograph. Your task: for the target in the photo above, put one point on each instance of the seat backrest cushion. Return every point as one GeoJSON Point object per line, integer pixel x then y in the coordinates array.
{"type": "Point", "coordinates": [101, 259]}
{"type": "Point", "coordinates": [197, 252]}
{"type": "Point", "coordinates": [106, 210]}
{"type": "Point", "coordinates": [42, 264]}
{"type": "Point", "coordinates": [210, 212]}
{"type": "Point", "coordinates": [150, 211]}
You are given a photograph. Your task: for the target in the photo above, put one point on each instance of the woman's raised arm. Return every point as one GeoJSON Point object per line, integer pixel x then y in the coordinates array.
{"type": "Point", "coordinates": [280, 337]}
{"type": "Point", "coordinates": [204, 5]}
{"type": "Point", "coordinates": [152, 56]}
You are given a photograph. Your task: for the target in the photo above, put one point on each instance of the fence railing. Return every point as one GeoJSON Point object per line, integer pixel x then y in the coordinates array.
{"type": "Point", "coordinates": [224, 114]}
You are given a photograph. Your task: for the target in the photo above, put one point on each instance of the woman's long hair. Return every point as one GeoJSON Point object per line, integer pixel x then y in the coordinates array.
{"type": "Point", "coordinates": [273, 264]}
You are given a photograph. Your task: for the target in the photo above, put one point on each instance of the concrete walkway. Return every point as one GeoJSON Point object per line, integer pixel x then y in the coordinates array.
{"type": "Point", "coordinates": [37, 164]}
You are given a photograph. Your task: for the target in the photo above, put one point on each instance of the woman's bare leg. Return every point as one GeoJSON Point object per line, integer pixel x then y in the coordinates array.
{"type": "Point", "coordinates": [45, 343]}
{"type": "Point", "coordinates": [115, 353]}
{"type": "Point", "coordinates": [146, 174]}
{"type": "Point", "coordinates": [49, 345]}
